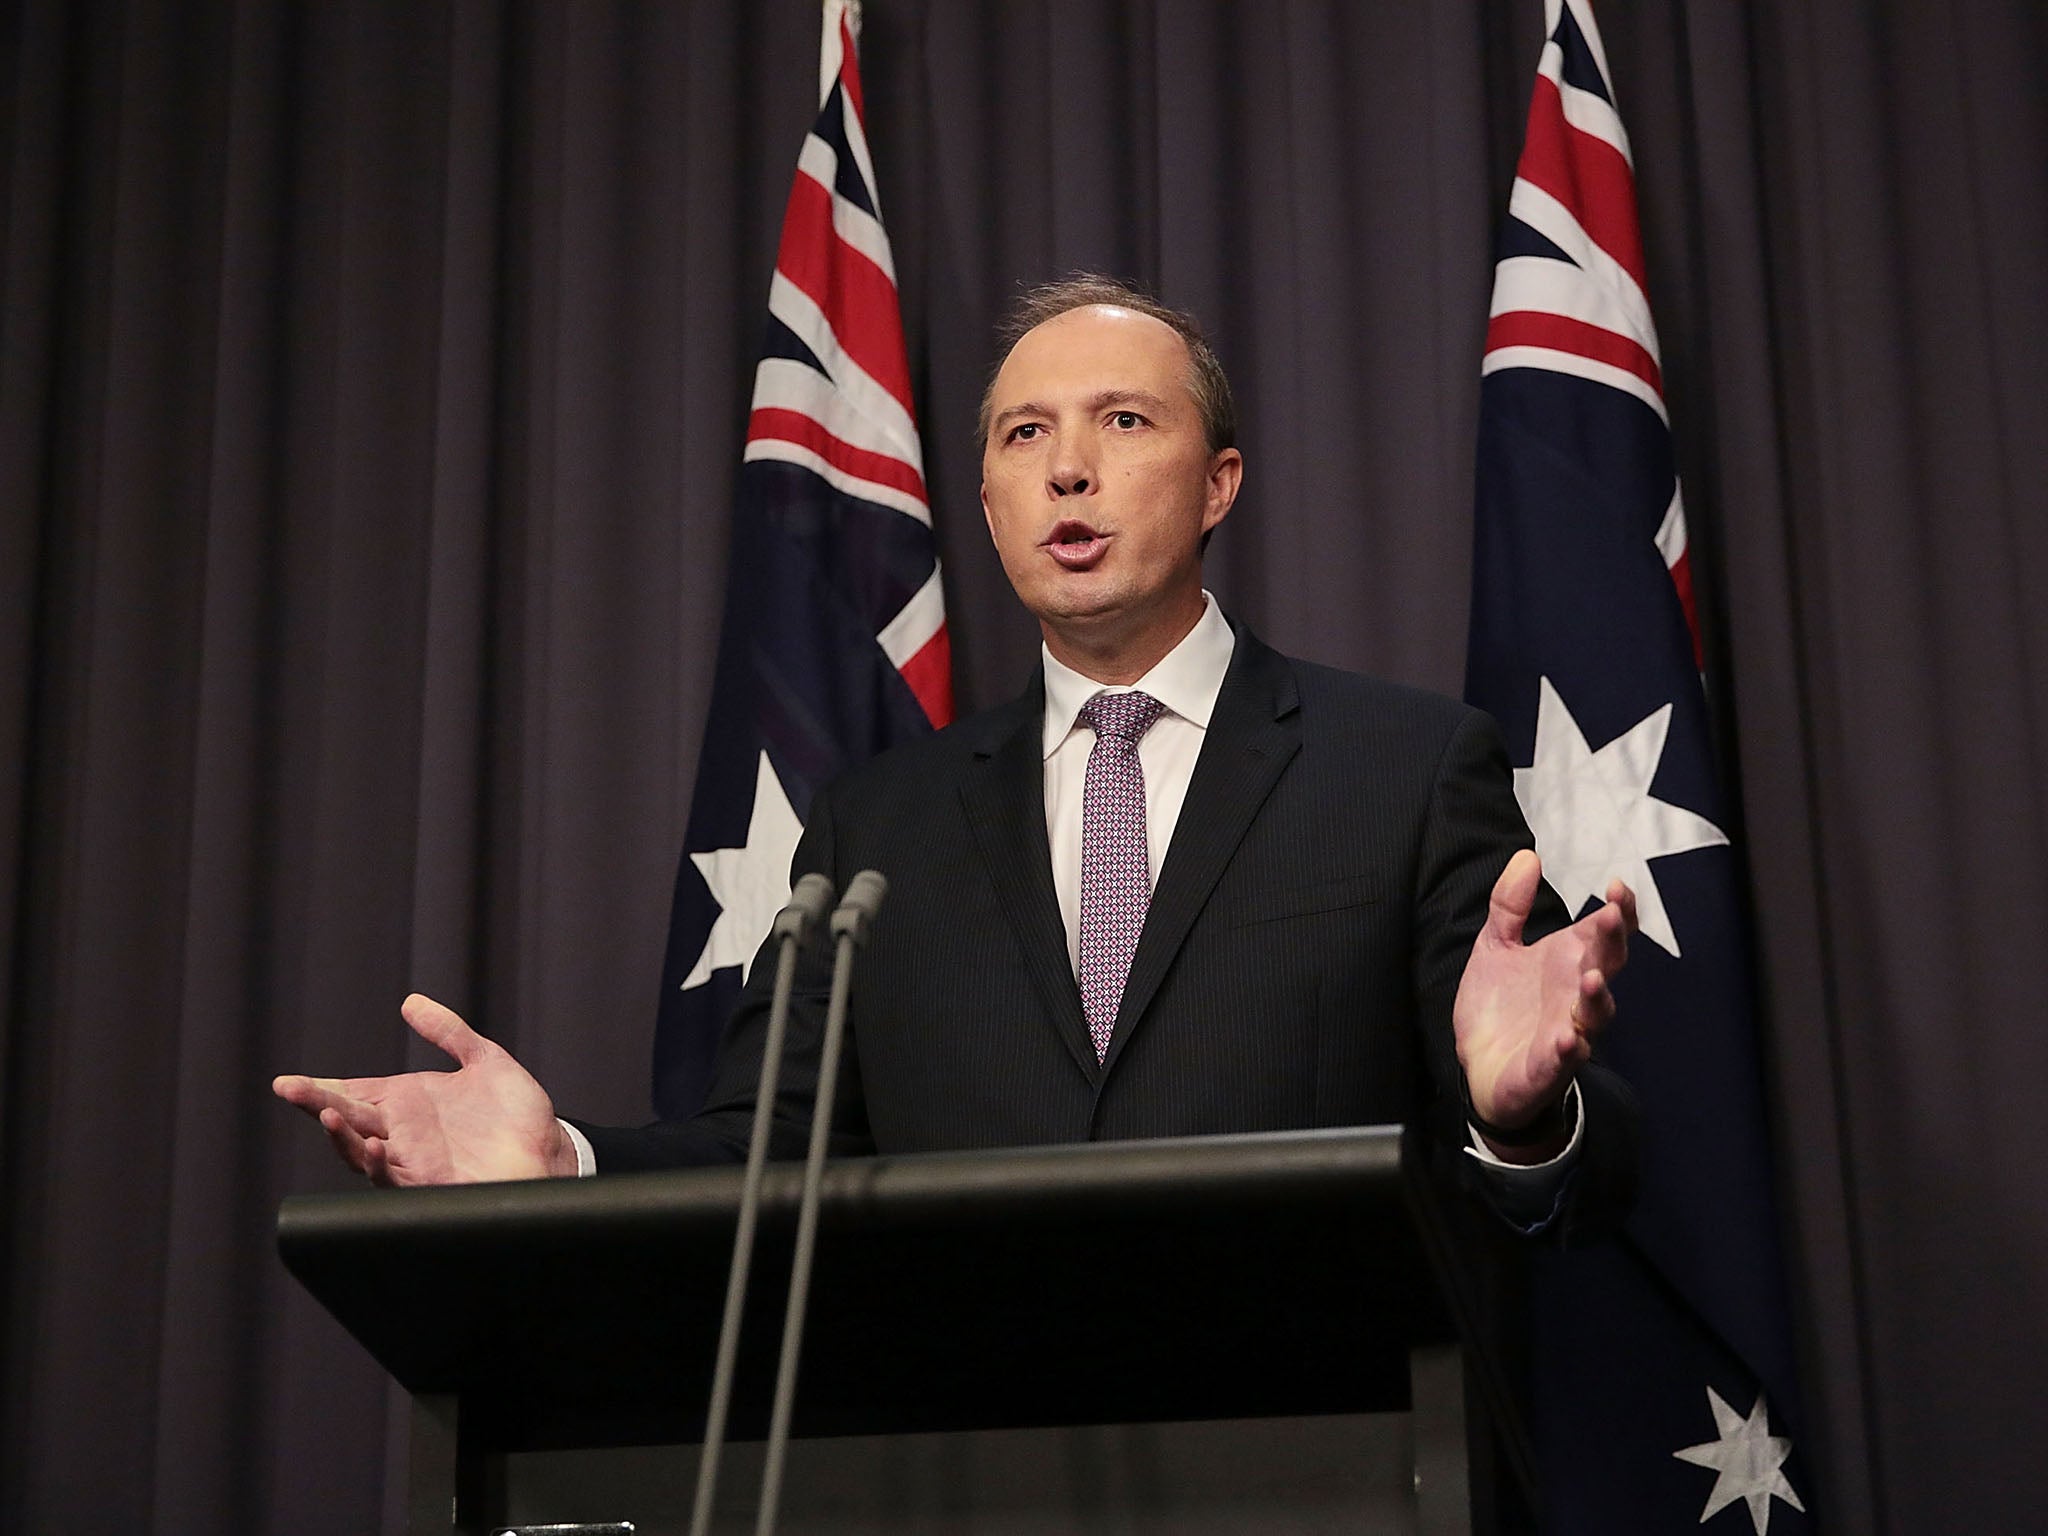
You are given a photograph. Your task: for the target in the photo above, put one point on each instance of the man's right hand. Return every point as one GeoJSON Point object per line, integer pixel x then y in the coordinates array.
{"type": "Point", "coordinates": [486, 1120]}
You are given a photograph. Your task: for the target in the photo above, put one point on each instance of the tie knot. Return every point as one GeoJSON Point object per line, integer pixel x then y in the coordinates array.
{"type": "Point", "coordinates": [1122, 717]}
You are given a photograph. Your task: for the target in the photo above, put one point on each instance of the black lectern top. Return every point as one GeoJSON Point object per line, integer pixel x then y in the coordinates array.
{"type": "Point", "coordinates": [1230, 1276]}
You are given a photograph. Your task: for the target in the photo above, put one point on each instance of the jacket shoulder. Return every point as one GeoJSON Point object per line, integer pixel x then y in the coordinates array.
{"type": "Point", "coordinates": [1335, 700]}
{"type": "Point", "coordinates": [912, 768]}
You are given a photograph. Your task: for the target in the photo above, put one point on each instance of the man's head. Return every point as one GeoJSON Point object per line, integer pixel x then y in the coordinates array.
{"type": "Point", "coordinates": [1107, 457]}
{"type": "Point", "coordinates": [1080, 290]}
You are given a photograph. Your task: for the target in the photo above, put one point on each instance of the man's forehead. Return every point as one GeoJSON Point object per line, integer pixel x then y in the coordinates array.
{"type": "Point", "coordinates": [1085, 341]}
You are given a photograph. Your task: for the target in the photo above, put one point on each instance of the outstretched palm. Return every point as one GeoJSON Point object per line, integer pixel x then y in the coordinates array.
{"type": "Point", "coordinates": [486, 1120]}
{"type": "Point", "coordinates": [1526, 1013]}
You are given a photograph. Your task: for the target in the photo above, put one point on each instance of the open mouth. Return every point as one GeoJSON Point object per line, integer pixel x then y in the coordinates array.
{"type": "Point", "coordinates": [1075, 544]}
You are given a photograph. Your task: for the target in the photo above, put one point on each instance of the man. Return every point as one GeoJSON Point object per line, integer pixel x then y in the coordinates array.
{"type": "Point", "coordinates": [1184, 885]}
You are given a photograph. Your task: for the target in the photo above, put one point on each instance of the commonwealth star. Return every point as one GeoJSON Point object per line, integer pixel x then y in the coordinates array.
{"type": "Point", "coordinates": [1594, 816]}
{"type": "Point", "coordinates": [750, 883]}
{"type": "Point", "coordinates": [1749, 1462]}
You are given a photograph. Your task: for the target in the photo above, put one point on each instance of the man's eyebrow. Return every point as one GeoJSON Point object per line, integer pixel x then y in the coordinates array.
{"type": "Point", "coordinates": [1023, 408]}
{"type": "Point", "coordinates": [1097, 403]}
{"type": "Point", "coordinates": [1138, 397]}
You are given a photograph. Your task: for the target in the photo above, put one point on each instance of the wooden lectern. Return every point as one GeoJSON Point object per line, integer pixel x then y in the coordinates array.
{"type": "Point", "coordinates": [1231, 1277]}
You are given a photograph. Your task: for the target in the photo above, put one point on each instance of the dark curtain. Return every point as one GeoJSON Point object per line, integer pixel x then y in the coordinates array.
{"type": "Point", "coordinates": [371, 385]}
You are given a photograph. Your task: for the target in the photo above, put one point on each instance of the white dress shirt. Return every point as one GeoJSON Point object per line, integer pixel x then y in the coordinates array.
{"type": "Point", "coordinates": [1186, 680]}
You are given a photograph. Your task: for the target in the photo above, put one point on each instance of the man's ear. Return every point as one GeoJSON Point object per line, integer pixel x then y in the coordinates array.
{"type": "Point", "coordinates": [1226, 474]}
{"type": "Point", "coordinates": [987, 516]}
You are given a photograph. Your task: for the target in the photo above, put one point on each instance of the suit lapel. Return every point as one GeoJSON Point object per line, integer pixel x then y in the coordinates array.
{"type": "Point", "coordinates": [1253, 733]}
{"type": "Point", "coordinates": [1003, 791]}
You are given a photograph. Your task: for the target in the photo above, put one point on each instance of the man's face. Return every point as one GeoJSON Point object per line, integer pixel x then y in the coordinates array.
{"type": "Point", "coordinates": [1098, 483]}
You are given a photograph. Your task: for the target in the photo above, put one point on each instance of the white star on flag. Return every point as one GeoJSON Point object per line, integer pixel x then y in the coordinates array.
{"type": "Point", "coordinates": [1749, 1461]}
{"type": "Point", "coordinates": [1595, 818]}
{"type": "Point", "coordinates": [751, 883]}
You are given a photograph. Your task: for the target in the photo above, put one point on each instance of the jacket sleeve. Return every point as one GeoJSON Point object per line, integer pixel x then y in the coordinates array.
{"type": "Point", "coordinates": [719, 1132]}
{"type": "Point", "coordinates": [1472, 827]}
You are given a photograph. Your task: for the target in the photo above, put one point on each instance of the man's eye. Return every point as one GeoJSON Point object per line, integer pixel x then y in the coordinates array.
{"type": "Point", "coordinates": [1126, 420]}
{"type": "Point", "coordinates": [1025, 432]}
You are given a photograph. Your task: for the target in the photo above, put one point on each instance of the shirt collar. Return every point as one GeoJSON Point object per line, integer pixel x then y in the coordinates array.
{"type": "Point", "coordinates": [1186, 679]}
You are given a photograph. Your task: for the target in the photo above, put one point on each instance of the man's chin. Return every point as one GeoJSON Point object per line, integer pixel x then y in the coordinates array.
{"type": "Point", "coordinates": [1080, 605]}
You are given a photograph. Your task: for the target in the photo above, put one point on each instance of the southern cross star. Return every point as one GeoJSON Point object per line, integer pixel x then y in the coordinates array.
{"type": "Point", "coordinates": [750, 883]}
{"type": "Point", "coordinates": [1749, 1462]}
{"type": "Point", "coordinates": [1594, 816]}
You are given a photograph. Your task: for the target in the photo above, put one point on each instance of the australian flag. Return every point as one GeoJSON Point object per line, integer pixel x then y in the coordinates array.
{"type": "Point", "coordinates": [1663, 1390]}
{"type": "Point", "coordinates": [834, 643]}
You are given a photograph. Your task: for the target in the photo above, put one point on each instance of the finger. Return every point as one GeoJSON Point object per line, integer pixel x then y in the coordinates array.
{"type": "Point", "coordinates": [377, 1160]}
{"type": "Point", "coordinates": [347, 1143]}
{"type": "Point", "coordinates": [1569, 1050]}
{"type": "Point", "coordinates": [440, 1025]}
{"type": "Point", "coordinates": [307, 1093]}
{"type": "Point", "coordinates": [1513, 898]}
{"type": "Point", "coordinates": [1618, 894]}
{"type": "Point", "coordinates": [1605, 931]}
{"type": "Point", "coordinates": [1596, 1002]}
{"type": "Point", "coordinates": [1573, 1049]}
{"type": "Point", "coordinates": [1595, 1005]}
{"type": "Point", "coordinates": [1590, 1011]}
{"type": "Point", "coordinates": [328, 1098]}
{"type": "Point", "coordinates": [362, 1118]}
{"type": "Point", "coordinates": [316, 1095]}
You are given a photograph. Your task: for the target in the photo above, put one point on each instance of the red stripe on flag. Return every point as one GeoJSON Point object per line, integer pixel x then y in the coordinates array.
{"type": "Point", "coordinates": [1681, 578]}
{"type": "Point", "coordinates": [930, 675]}
{"type": "Point", "coordinates": [1538, 328]}
{"type": "Point", "coordinates": [779, 424]}
{"type": "Point", "coordinates": [855, 296]}
{"type": "Point", "coordinates": [1587, 175]}
{"type": "Point", "coordinates": [849, 73]}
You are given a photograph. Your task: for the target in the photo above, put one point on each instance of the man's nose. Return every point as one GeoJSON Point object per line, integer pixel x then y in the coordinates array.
{"type": "Point", "coordinates": [1070, 474]}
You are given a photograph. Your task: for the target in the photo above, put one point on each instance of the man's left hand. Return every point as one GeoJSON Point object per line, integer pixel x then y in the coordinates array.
{"type": "Point", "coordinates": [1526, 1014]}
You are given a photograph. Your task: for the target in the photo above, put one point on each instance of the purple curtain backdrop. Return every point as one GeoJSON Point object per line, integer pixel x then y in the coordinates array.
{"type": "Point", "coordinates": [371, 385]}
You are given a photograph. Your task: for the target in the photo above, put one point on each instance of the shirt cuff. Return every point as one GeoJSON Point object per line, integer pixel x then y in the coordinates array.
{"type": "Point", "coordinates": [1527, 1193]}
{"type": "Point", "coordinates": [586, 1155]}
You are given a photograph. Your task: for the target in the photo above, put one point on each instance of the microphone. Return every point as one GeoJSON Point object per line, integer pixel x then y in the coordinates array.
{"type": "Point", "coordinates": [793, 925]}
{"type": "Point", "coordinates": [850, 924]}
{"type": "Point", "coordinates": [857, 908]}
{"type": "Point", "coordinates": [806, 909]}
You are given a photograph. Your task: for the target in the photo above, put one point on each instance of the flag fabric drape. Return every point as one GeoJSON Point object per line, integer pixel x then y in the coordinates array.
{"type": "Point", "coordinates": [834, 644]}
{"type": "Point", "coordinates": [1662, 1380]}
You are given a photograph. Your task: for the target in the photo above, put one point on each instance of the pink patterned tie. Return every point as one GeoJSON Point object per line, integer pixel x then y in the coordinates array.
{"type": "Point", "coordinates": [1116, 873]}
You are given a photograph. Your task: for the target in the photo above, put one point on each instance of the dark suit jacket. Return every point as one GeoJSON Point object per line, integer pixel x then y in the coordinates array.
{"type": "Point", "coordinates": [1328, 873]}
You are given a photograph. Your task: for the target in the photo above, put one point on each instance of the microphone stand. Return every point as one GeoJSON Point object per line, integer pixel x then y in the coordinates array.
{"type": "Point", "coordinates": [793, 924]}
{"type": "Point", "coordinates": [864, 895]}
